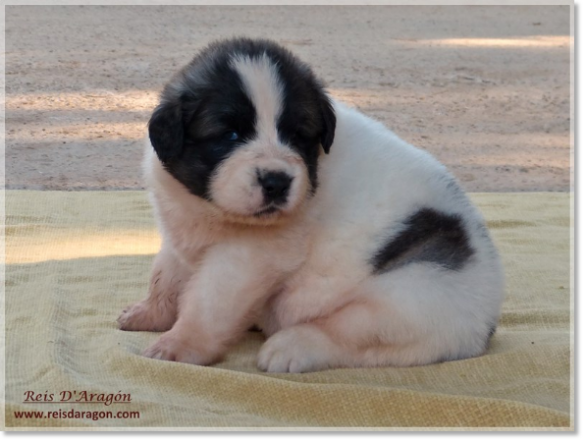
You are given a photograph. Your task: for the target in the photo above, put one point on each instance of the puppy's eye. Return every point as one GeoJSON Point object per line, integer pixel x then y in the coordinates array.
{"type": "Point", "coordinates": [232, 136]}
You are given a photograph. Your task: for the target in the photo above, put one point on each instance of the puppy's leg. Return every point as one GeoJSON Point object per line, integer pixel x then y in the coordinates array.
{"type": "Point", "coordinates": [217, 306]}
{"type": "Point", "coordinates": [315, 291]}
{"type": "Point", "coordinates": [357, 335]}
{"type": "Point", "coordinates": [414, 316]}
{"type": "Point", "coordinates": [159, 311]}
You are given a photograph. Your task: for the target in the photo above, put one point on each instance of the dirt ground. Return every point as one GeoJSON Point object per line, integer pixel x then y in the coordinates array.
{"type": "Point", "coordinates": [485, 89]}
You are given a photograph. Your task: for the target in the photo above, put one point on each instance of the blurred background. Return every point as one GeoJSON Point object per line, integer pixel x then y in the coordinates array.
{"type": "Point", "coordinates": [486, 89]}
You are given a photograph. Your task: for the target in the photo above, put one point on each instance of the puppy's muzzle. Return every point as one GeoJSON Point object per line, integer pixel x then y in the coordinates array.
{"type": "Point", "coordinates": [275, 186]}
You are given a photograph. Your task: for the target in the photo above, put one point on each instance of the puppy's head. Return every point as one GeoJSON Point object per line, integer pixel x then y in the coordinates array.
{"type": "Point", "coordinates": [243, 126]}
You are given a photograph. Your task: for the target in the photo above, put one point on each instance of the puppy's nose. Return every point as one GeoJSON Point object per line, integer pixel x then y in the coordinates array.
{"type": "Point", "coordinates": [275, 185]}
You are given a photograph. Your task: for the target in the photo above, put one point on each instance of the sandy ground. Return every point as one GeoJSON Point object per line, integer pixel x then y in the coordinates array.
{"type": "Point", "coordinates": [485, 89]}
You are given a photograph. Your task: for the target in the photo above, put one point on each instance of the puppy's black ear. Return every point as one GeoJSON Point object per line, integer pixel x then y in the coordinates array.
{"type": "Point", "coordinates": [329, 121]}
{"type": "Point", "coordinates": [165, 130]}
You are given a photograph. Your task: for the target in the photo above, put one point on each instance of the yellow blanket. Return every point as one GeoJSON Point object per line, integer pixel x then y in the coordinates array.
{"type": "Point", "coordinates": [75, 259]}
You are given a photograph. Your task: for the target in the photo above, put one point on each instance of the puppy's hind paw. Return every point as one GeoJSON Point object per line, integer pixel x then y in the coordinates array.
{"type": "Point", "coordinates": [298, 349]}
{"type": "Point", "coordinates": [173, 347]}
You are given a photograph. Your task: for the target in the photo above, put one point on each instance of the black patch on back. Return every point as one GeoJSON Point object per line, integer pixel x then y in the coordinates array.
{"type": "Point", "coordinates": [206, 101]}
{"type": "Point", "coordinates": [428, 236]}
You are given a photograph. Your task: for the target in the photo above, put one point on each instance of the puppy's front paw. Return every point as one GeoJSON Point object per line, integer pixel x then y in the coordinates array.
{"type": "Point", "coordinates": [173, 346]}
{"type": "Point", "coordinates": [142, 316]}
{"type": "Point", "coordinates": [296, 350]}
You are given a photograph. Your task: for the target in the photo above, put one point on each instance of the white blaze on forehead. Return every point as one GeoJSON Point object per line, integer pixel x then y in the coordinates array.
{"type": "Point", "coordinates": [260, 78]}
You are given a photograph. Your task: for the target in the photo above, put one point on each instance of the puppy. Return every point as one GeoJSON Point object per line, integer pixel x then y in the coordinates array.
{"type": "Point", "coordinates": [281, 207]}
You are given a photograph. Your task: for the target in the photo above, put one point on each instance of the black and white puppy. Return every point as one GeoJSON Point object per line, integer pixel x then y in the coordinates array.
{"type": "Point", "coordinates": [281, 207]}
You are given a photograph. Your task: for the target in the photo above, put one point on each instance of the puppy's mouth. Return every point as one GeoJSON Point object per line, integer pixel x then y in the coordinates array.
{"type": "Point", "coordinates": [268, 210]}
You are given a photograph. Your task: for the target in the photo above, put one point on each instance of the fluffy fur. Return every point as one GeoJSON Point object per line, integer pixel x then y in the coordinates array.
{"type": "Point", "coordinates": [369, 255]}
